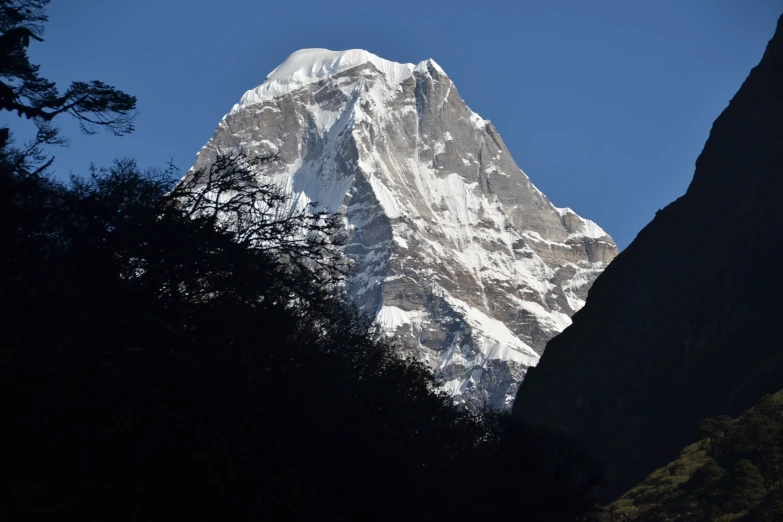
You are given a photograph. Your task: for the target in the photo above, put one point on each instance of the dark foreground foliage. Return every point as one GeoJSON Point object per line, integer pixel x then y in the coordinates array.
{"type": "Point", "coordinates": [158, 361]}
{"type": "Point", "coordinates": [95, 105]}
{"type": "Point", "coordinates": [182, 351]}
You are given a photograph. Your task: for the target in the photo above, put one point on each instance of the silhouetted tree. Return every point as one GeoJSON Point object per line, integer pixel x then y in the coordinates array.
{"type": "Point", "coordinates": [229, 193]}
{"type": "Point", "coordinates": [181, 349]}
{"type": "Point", "coordinates": [24, 91]}
{"type": "Point", "coordinates": [181, 362]}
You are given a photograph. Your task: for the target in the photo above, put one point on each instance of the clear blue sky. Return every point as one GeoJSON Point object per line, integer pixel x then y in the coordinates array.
{"type": "Point", "coordinates": [605, 104]}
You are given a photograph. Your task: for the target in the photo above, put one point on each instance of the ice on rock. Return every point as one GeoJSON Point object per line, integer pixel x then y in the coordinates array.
{"type": "Point", "coordinates": [457, 253]}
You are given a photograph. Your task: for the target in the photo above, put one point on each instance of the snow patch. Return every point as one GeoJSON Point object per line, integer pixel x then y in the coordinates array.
{"type": "Point", "coordinates": [478, 121]}
{"type": "Point", "coordinates": [392, 317]}
{"type": "Point", "coordinates": [400, 241]}
{"type": "Point", "coordinates": [495, 339]}
{"type": "Point", "coordinates": [422, 67]}
{"type": "Point", "coordinates": [588, 229]}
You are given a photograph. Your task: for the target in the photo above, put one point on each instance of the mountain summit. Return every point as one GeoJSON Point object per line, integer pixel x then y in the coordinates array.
{"type": "Point", "coordinates": [456, 251]}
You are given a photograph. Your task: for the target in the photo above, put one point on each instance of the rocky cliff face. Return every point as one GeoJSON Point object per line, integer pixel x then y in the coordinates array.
{"type": "Point", "coordinates": [456, 252]}
{"type": "Point", "coordinates": [683, 325]}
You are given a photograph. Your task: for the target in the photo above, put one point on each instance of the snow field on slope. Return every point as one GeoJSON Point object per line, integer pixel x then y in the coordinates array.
{"type": "Point", "coordinates": [442, 220]}
{"type": "Point", "coordinates": [589, 228]}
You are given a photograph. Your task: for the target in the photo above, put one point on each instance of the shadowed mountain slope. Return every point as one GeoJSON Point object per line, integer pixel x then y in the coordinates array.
{"type": "Point", "coordinates": [684, 324]}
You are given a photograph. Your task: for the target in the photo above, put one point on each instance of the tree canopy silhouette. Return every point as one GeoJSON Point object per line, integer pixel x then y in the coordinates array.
{"type": "Point", "coordinates": [154, 350]}
{"type": "Point", "coordinates": [181, 348]}
{"type": "Point", "coordinates": [24, 91]}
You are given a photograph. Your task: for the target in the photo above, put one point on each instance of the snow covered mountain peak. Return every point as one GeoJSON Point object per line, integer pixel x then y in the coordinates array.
{"type": "Point", "coordinates": [422, 66]}
{"type": "Point", "coordinates": [457, 253]}
{"type": "Point", "coordinates": [308, 66]}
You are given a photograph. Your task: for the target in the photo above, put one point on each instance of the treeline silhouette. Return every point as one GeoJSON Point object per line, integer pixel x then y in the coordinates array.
{"type": "Point", "coordinates": [152, 359]}
{"type": "Point", "coordinates": [180, 349]}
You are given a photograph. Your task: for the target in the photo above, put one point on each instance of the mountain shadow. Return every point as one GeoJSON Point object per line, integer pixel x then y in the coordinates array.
{"type": "Point", "coordinates": [683, 324]}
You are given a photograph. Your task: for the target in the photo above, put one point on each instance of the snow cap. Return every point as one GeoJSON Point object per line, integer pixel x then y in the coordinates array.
{"type": "Point", "coordinates": [308, 66]}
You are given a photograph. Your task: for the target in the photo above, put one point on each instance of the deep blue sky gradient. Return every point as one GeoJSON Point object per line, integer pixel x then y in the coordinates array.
{"type": "Point", "coordinates": [605, 104]}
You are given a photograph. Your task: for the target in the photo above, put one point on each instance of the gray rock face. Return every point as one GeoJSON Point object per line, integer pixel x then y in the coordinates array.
{"type": "Point", "coordinates": [456, 252]}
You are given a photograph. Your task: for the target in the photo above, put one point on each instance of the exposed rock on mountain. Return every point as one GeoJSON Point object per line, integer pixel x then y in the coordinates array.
{"type": "Point", "coordinates": [683, 325]}
{"type": "Point", "coordinates": [456, 252]}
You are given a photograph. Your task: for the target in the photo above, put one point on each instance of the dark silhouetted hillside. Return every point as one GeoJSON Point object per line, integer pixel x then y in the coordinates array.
{"type": "Point", "coordinates": [684, 324]}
